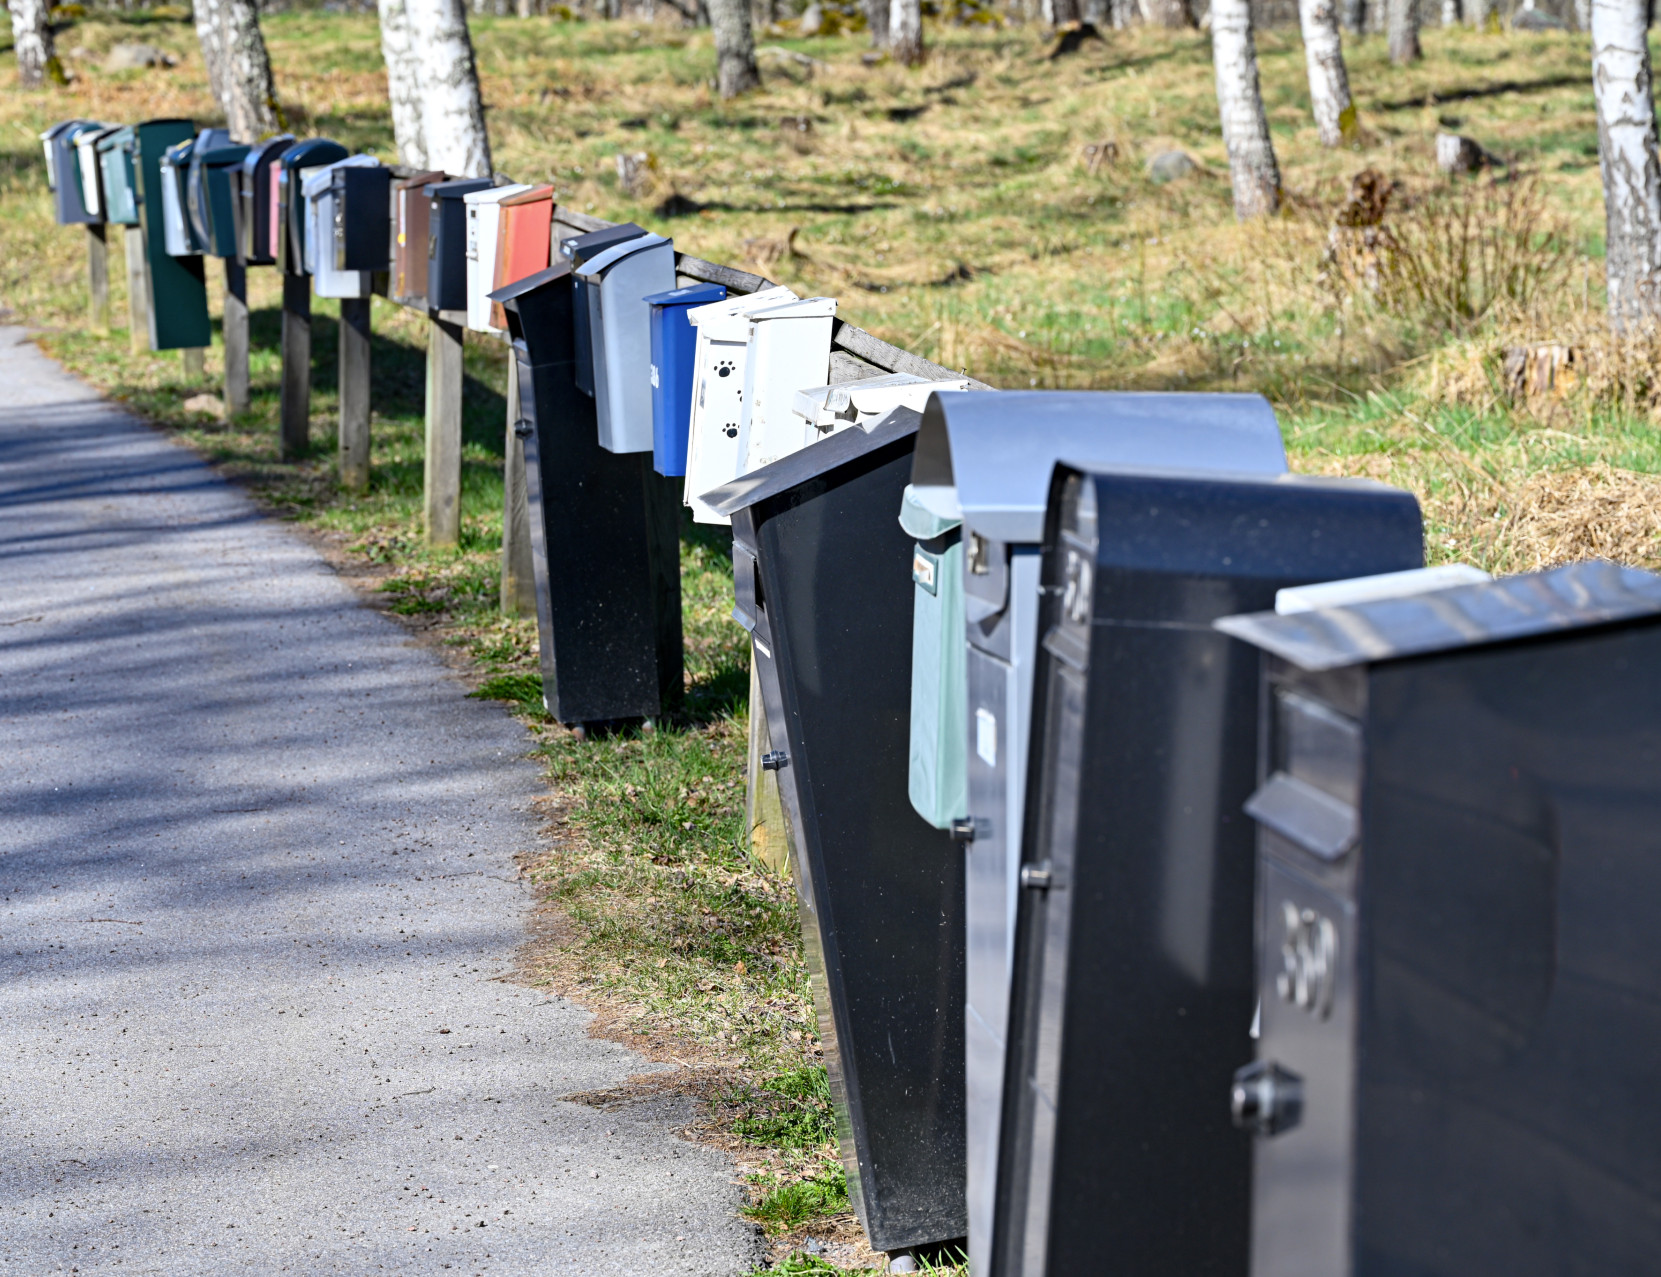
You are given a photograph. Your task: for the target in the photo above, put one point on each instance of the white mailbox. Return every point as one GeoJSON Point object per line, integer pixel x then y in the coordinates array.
{"type": "Point", "coordinates": [86, 155]}
{"type": "Point", "coordinates": [484, 219]}
{"type": "Point", "coordinates": [317, 189]}
{"type": "Point", "coordinates": [617, 283]}
{"type": "Point", "coordinates": [824, 410]}
{"type": "Point", "coordinates": [176, 237]}
{"type": "Point", "coordinates": [789, 351]}
{"type": "Point", "coordinates": [712, 455]}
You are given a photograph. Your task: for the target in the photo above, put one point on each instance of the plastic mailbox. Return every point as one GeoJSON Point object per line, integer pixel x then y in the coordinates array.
{"type": "Point", "coordinates": [617, 283]}
{"type": "Point", "coordinates": [360, 223]}
{"type": "Point", "coordinates": [410, 208]}
{"type": "Point", "coordinates": [447, 241]}
{"type": "Point", "coordinates": [318, 190]}
{"type": "Point", "coordinates": [116, 178]}
{"type": "Point", "coordinates": [578, 250]}
{"type": "Point", "coordinates": [524, 239]}
{"type": "Point", "coordinates": [789, 351]}
{"type": "Point", "coordinates": [295, 164]}
{"type": "Point", "coordinates": [1458, 866]}
{"type": "Point", "coordinates": [826, 409]}
{"type": "Point", "coordinates": [87, 161]}
{"type": "Point", "coordinates": [221, 170]}
{"type": "Point", "coordinates": [482, 210]}
{"type": "Point", "coordinates": [712, 455]}
{"type": "Point", "coordinates": [196, 192]}
{"type": "Point", "coordinates": [674, 352]}
{"type": "Point", "coordinates": [257, 193]}
{"type": "Point", "coordinates": [70, 204]}
{"type": "Point", "coordinates": [984, 460]}
{"type": "Point", "coordinates": [604, 530]}
{"type": "Point", "coordinates": [178, 306]}
{"type": "Point", "coordinates": [177, 232]}
{"type": "Point", "coordinates": [1133, 991]}
{"type": "Point", "coordinates": [819, 574]}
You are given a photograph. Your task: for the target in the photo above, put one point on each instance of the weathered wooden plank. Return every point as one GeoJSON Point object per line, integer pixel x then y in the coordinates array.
{"type": "Point", "coordinates": [195, 361]}
{"type": "Point", "coordinates": [518, 574]}
{"type": "Point", "coordinates": [736, 281]}
{"type": "Point", "coordinates": [138, 290]}
{"type": "Point", "coordinates": [98, 278]}
{"type": "Point", "coordinates": [355, 316]}
{"type": "Point", "coordinates": [294, 430]}
{"type": "Point", "coordinates": [235, 328]}
{"type": "Point", "coordinates": [891, 358]}
{"type": "Point", "coordinates": [442, 495]}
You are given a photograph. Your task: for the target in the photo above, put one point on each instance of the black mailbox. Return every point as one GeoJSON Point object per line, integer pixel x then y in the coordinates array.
{"type": "Point", "coordinates": [362, 226]}
{"type": "Point", "coordinates": [1459, 875]}
{"type": "Point", "coordinates": [578, 249]}
{"type": "Point", "coordinates": [258, 197]}
{"type": "Point", "coordinates": [1132, 993]}
{"type": "Point", "coordinates": [292, 167]}
{"type": "Point", "coordinates": [447, 241]}
{"type": "Point", "coordinates": [605, 530]}
{"type": "Point", "coordinates": [822, 571]}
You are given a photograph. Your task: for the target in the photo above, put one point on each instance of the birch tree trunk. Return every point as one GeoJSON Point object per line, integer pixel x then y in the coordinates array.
{"type": "Point", "coordinates": [905, 32]}
{"type": "Point", "coordinates": [1329, 82]}
{"type": "Point", "coordinates": [1450, 13]}
{"type": "Point", "coordinates": [206, 15]}
{"type": "Point", "coordinates": [37, 58]}
{"type": "Point", "coordinates": [735, 47]}
{"type": "Point", "coordinates": [1403, 19]}
{"type": "Point", "coordinates": [403, 83]}
{"type": "Point", "coordinates": [1057, 13]}
{"type": "Point", "coordinates": [1481, 11]}
{"type": "Point", "coordinates": [1251, 155]}
{"type": "Point", "coordinates": [1173, 15]}
{"type": "Point", "coordinates": [876, 18]}
{"type": "Point", "coordinates": [1627, 156]}
{"type": "Point", "coordinates": [1583, 15]}
{"type": "Point", "coordinates": [452, 114]}
{"type": "Point", "coordinates": [250, 94]}
{"type": "Point", "coordinates": [1352, 15]}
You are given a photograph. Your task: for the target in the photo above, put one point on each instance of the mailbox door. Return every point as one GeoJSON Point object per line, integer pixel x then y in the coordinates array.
{"type": "Point", "coordinates": [787, 354]}
{"type": "Point", "coordinates": [674, 354]}
{"type": "Point", "coordinates": [579, 250]}
{"type": "Point", "coordinates": [411, 208]}
{"type": "Point", "coordinates": [222, 206]}
{"type": "Point", "coordinates": [175, 229]}
{"type": "Point", "coordinates": [717, 413]}
{"type": "Point", "coordinates": [178, 307]}
{"type": "Point", "coordinates": [484, 217]}
{"type": "Point", "coordinates": [524, 238]}
{"type": "Point", "coordinates": [363, 219]}
{"type": "Point", "coordinates": [68, 198]}
{"type": "Point", "coordinates": [624, 397]}
{"type": "Point", "coordinates": [937, 783]}
{"type": "Point", "coordinates": [92, 186]}
{"type": "Point", "coordinates": [115, 164]}
{"type": "Point", "coordinates": [447, 242]}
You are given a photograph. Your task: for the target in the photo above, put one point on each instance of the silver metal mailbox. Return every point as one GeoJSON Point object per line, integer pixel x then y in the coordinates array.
{"type": "Point", "coordinates": [616, 284]}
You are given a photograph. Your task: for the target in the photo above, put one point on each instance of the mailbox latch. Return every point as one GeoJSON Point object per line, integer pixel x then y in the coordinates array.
{"type": "Point", "coordinates": [963, 829]}
{"type": "Point", "coordinates": [1037, 876]}
{"type": "Point", "coordinates": [522, 428]}
{"type": "Point", "coordinates": [1266, 1098]}
{"type": "Point", "coordinates": [774, 760]}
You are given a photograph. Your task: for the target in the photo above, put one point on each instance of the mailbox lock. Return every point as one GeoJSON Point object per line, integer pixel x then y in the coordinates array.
{"type": "Point", "coordinates": [1037, 876]}
{"type": "Point", "coordinates": [1266, 1098]}
{"type": "Point", "coordinates": [773, 760]}
{"type": "Point", "coordinates": [522, 428]}
{"type": "Point", "coordinates": [963, 829]}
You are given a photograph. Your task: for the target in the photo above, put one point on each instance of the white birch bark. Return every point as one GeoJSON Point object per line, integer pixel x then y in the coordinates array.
{"type": "Point", "coordinates": [1480, 12]}
{"type": "Point", "coordinates": [1329, 81]}
{"type": "Point", "coordinates": [1251, 155]}
{"type": "Point", "coordinates": [735, 47]}
{"type": "Point", "coordinates": [1583, 15]}
{"type": "Point", "coordinates": [1174, 15]}
{"type": "Point", "coordinates": [876, 20]}
{"type": "Point", "coordinates": [452, 112]}
{"type": "Point", "coordinates": [249, 92]}
{"type": "Point", "coordinates": [208, 36]}
{"type": "Point", "coordinates": [1402, 17]}
{"type": "Point", "coordinates": [32, 42]}
{"type": "Point", "coordinates": [403, 83]}
{"type": "Point", "coordinates": [1450, 13]}
{"type": "Point", "coordinates": [1352, 15]}
{"type": "Point", "coordinates": [1621, 83]}
{"type": "Point", "coordinates": [905, 31]}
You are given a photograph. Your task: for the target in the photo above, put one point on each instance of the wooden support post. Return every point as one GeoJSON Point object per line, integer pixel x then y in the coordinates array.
{"type": "Point", "coordinates": [195, 361]}
{"type": "Point", "coordinates": [98, 278]}
{"type": "Point", "coordinates": [236, 336]}
{"type": "Point", "coordinates": [518, 574]}
{"type": "Point", "coordinates": [443, 469]}
{"type": "Point", "coordinates": [769, 840]}
{"type": "Point", "coordinates": [295, 430]}
{"type": "Point", "coordinates": [138, 290]}
{"type": "Point", "coordinates": [354, 393]}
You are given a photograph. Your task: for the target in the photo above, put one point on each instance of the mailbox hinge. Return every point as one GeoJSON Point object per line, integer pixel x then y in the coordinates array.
{"type": "Point", "coordinates": [522, 428]}
{"type": "Point", "coordinates": [1037, 876]}
{"type": "Point", "coordinates": [774, 760]}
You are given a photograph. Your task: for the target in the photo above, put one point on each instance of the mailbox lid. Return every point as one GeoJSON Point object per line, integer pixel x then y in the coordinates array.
{"type": "Point", "coordinates": [175, 179]}
{"type": "Point", "coordinates": [91, 171]}
{"type": "Point", "coordinates": [483, 230]}
{"type": "Point", "coordinates": [411, 214]}
{"type": "Point", "coordinates": [789, 350]}
{"type": "Point", "coordinates": [674, 355]}
{"type": "Point", "coordinates": [447, 241]}
{"type": "Point", "coordinates": [827, 409]}
{"type": "Point", "coordinates": [292, 167]}
{"type": "Point", "coordinates": [578, 250]}
{"type": "Point", "coordinates": [221, 173]}
{"type": "Point", "coordinates": [524, 240]}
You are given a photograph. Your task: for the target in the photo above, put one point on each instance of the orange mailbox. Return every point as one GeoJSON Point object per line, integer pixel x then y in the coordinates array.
{"type": "Point", "coordinates": [523, 241]}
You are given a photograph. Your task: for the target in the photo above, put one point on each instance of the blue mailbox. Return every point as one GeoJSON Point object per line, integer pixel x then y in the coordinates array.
{"type": "Point", "coordinates": [674, 358]}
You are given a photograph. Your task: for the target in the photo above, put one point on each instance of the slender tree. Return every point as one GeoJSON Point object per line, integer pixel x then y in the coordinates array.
{"type": "Point", "coordinates": [239, 68]}
{"type": "Point", "coordinates": [735, 47]}
{"type": "Point", "coordinates": [452, 113]}
{"type": "Point", "coordinates": [876, 19]}
{"type": "Point", "coordinates": [905, 32]}
{"type": "Point", "coordinates": [37, 58]}
{"type": "Point", "coordinates": [208, 36]}
{"type": "Point", "coordinates": [1352, 15]}
{"type": "Point", "coordinates": [403, 83]}
{"type": "Point", "coordinates": [1402, 18]}
{"type": "Point", "coordinates": [1622, 85]}
{"type": "Point", "coordinates": [1251, 155]}
{"type": "Point", "coordinates": [1173, 15]}
{"type": "Point", "coordinates": [1329, 82]}
{"type": "Point", "coordinates": [1058, 13]}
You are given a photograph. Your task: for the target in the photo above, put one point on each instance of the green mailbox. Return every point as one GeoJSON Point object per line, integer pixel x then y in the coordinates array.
{"type": "Point", "coordinates": [178, 292]}
{"type": "Point", "coordinates": [938, 761]}
{"type": "Point", "coordinates": [221, 174]}
{"type": "Point", "coordinates": [115, 168]}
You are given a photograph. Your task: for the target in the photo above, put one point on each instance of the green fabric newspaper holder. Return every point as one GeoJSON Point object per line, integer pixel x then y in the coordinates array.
{"type": "Point", "coordinates": [178, 289]}
{"type": "Point", "coordinates": [939, 763]}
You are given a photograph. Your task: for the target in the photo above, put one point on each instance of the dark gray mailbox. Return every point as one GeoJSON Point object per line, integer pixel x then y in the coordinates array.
{"type": "Point", "coordinates": [579, 250]}
{"type": "Point", "coordinates": [360, 223]}
{"type": "Point", "coordinates": [1459, 876]}
{"type": "Point", "coordinates": [1132, 993]}
{"type": "Point", "coordinates": [605, 530]}
{"type": "Point", "coordinates": [821, 571]}
{"type": "Point", "coordinates": [447, 241]}
{"type": "Point", "coordinates": [985, 462]}
{"type": "Point", "coordinates": [257, 194]}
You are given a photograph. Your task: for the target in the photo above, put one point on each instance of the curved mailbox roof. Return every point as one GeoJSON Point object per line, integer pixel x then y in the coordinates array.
{"type": "Point", "coordinates": [987, 458]}
{"type": "Point", "coordinates": [596, 267]}
{"type": "Point", "coordinates": [806, 464]}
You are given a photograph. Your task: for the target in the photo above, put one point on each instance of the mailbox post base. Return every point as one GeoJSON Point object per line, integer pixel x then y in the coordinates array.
{"type": "Point", "coordinates": [354, 392]}
{"type": "Point", "coordinates": [138, 290]}
{"type": "Point", "coordinates": [98, 277]}
{"type": "Point", "coordinates": [442, 505]}
{"type": "Point", "coordinates": [295, 429]}
{"type": "Point", "coordinates": [235, 330]}
{"type": "Point", "coordinates": [518, 567]}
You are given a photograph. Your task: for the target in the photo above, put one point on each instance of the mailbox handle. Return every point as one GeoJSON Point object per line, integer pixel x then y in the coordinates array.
{"type": "Point", "coordinates": [1266, 1099]}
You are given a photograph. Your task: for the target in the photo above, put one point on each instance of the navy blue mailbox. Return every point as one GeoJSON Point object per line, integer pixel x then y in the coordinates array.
{"type": "Point", "coordinates": [674, 357]}
{"type": "Point", "coordinates": [296, 162]}
{"type": "Point", "coordinates": [578, 249]}
{"type": "Point", "coordinates": [447, 241]}
{"type": "Point", "coordinates": [63, 173]}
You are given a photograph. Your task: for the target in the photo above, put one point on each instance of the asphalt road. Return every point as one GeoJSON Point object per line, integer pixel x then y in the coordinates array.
{"type": "Point", "coordinates": [256, 886]}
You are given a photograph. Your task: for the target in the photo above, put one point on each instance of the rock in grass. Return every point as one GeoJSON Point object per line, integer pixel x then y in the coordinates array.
{"type": "Point", "coordinates": [1170, 166]}
{"type": "Point", "coordinates": [1457, 154]}
{"type": "Point", "coordinates": [210, 405]}
{"type": "Point", "coordinates": [136, 57]}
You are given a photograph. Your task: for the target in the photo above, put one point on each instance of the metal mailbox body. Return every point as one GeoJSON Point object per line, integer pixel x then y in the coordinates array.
{"type": "Point", "coordinates": [617, 282]}
{"type": "Point", "coordinates": [221, 170]}
{"type": "Point", "coordinates": [293, 167]}
{"type": "Point", "coordinates": [116, 179]}
{"type": "Point", "coordinates": [820, 574]}
{"type": "Point", "coordinates": [70, 204]}
{"type": "Point", "coordinates": [789, 351]}
{"type": "Point", "coordinates": [605, 537]}
{"type": "Point", "coordinates": [88, 162]}
{"type": "Point", "coordinates": [579, 250]}
{"type": "Point", "coordinates": [483, 212]}
{"type": "Point", "coordinates": [824, 410]}
{"type": "Point", "coordinates": [1133, 971]}
{"type": "Point", "coordinates": [318, 190]}
{"type": "Point", "coordinates": [447, 241]}
{"type": "Point", "coordinates": [712, 455]}
{"type": "Point", "coordinates": [674, 354]}
{"type": "Point", "coordinates": [175, 176]}
{"type": "Point", "coordinates": [524, 240]}
{"type": "Point", "coordinates": [410, 210]}
{"type": "Point", "coordinates": [257, 193]}
{"type": "Point", "coordinates": [197, 211]}
{"type": "Point", "coordinates": [178, 307]}
{"type": "Point", "coordinates": [360, 226]}
{"type": "Point", "coordinates": [1459, 866]}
